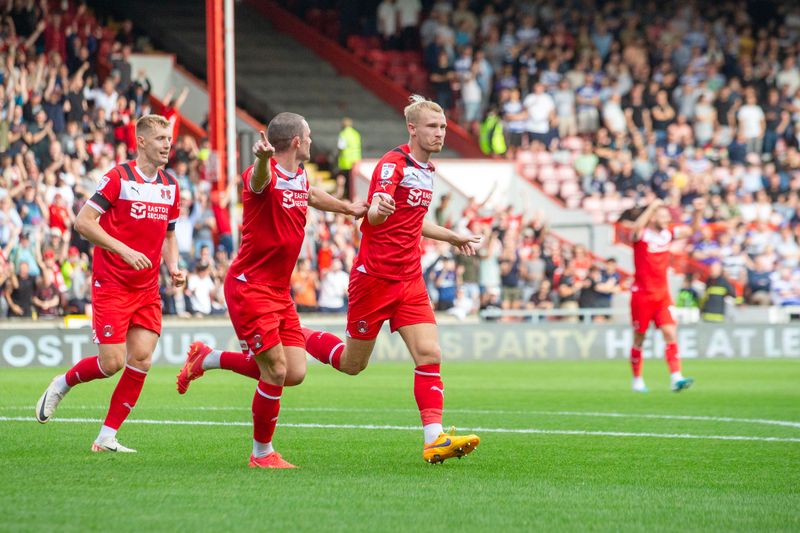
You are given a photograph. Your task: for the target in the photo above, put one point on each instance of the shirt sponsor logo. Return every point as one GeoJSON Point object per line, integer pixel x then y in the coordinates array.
{"type": "Point", "coordinates": [138, 210]}
{"type": "Point", "coordinates": [294, 199]}
{"type": "Point", "coordinates": [419, 197]}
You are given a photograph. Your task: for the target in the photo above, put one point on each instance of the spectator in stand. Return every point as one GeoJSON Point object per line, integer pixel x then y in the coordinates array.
{"type": "Point", "coordinates": [442, 78]}
{"type": "Point", "coordinates": [752, 122]}
{"type": "Point", "coordinates": [333, 289]}
{"type": "Point", "coordinates": [759, 282]}
{"type": "Point", "coordinates": [445, 280]}
{"type": "Point", "coordinates": [785, 287]}
{"type": "Point", "coordinates": [305, 283]}
{"type": "Point", "coordinates": [718, 293]}
{"type": "Point", "coordinates": [19, 292]}
{"type": "Point", "coordinates": [540, 111]}
{"type": "Point", "coordinates": [203, 291]}
{"type": "Point", "coordinates": [569, 289]}
{"type": "Point", "coordinates": [47, 299]}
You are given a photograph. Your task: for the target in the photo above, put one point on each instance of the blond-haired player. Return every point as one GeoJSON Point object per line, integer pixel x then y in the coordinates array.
{"type": "Point", "coordinates": [386, 281]}
{"type": "Point", "coordinates": [131, 221]}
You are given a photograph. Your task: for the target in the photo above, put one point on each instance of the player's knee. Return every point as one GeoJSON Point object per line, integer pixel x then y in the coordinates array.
{"type": "Point", "coordinates": [430, 354]}
{"type": "Point", "coordinates": [294, 378]}
{"type": "Point", "coordinates": [112, 365]}
{"type": "Point", "coordinates": [354, 368]}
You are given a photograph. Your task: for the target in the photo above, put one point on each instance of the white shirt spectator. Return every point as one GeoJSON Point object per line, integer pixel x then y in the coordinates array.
{"type": "Point", "coordinates": [614, 117]}
{"type": "Point", "coordinates": [408, 12]}
{"type": "Point", "coordinates": [201, 287]}
{"type": "Point", "coordinates": [565, 103]}
{"type": "Point", "coordinates": [751, 119]}
{"type": "Point", "coordinates": [387, 18]}
{"type": "Point", "coordinates": [788, 78]}
{"type": "Point", "coordinates": [539, 107]}
{"type": "Point", "coordinates": [333, 289]}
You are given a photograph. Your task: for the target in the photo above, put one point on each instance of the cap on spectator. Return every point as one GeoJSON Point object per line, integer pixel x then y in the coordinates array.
{"type": "Point", "coordinates": [73, 250]}
{"type": "Point", "coordinates": [49, 254]}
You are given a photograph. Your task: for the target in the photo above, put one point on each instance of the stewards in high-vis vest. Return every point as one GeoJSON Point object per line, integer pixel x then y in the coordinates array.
{"type": "Point", "coordinates": [492, 138]}
{"type": "Point", "coordinates": [349, 145]}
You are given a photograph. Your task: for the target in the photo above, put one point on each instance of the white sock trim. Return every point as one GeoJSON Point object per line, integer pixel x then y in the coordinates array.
{"type": "Point", "coordinates": [432, 432]}
{"type": "Point", "coordinates": [212, 360]}
{"type": "Point", "coordinates": [106, 432]}
{"type": "Point", "coordinates": [101, 370]}
{"type": "Point", "coordinates": [265, 395]}
{"type": "Point", "coordinates": [61, 383]}
{"type": "Point", "coordinates": [139, 370]}
{"type": "Point", "coordinates": [262, 449]}
{"type": "Point", "coordinates": [333, 350]}
{"type": "Point", "coordinates": [421, 373]}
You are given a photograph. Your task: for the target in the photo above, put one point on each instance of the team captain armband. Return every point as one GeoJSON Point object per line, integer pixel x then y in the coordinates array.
{"type": "Point", "coordinates": [99, 202]}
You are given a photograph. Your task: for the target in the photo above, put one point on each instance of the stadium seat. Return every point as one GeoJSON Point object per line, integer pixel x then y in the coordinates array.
{"type": "Point", "coordinates": [567, 173]}
{"type": "Point", "coordinates": [544, 158]}
{"type": "Point", "coordinates": [547, 173]}
{"type": "Point", "coordinates": [525, 156]}
{"type": "Point", "coordinates": [570, 188]}
{"type": "Point", "coordinates": [551, 187]}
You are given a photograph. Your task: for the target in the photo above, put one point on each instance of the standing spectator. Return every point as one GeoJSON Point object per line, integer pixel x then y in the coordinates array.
{"type": "Point", "coordinates": [202, 290]}
{"type": "Point", "coordinates": [445, 283]}
{"type": "Point", "coordinates": [752, 122]}
{"type": "Point", "coordinates": [333, 289]}
{"type": "Point", "coordinates": [19, 292]}
{"type": "Point", "coordinates": [408, 17]}
{"type": "Point", "coordinates": [588, 99]}
{"type": "Point", "coordinates": [387, 16]}
{"type": "Point", "coordinates": [569, 289]}
{"type": "Point", "coordinates": [514, 122]}
{"type": "Point", "coordinates": [718, 291]}
{"type": "Point", "coordinates": [759, 282]}
{"type": "Point", "coordinates": [785, 288]}
{"type": "Point", "coordinates": [47, 299]}
{"type": "Point", "coordinates": [541, 114]}
{"type": "Point", "coordinates": [564, 100]}
{"type": "Point", "coordinates": [305, 283]}
{"type": "Point", "coordinates": [442, 77]}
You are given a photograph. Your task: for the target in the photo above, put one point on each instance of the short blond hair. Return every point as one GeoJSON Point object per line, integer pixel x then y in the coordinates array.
{"type": "Point", "coordinates": [416, 105]}
{"type": "Point", "coordinates": [148, 123]}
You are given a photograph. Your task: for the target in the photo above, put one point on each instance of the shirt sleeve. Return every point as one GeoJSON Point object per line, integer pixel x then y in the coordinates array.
{"type": "Point", "coordinates": [106, 194]}
{"type": "Point", "coordinates": [385, 179]}
{"type": "Point", "coordinates": [175, 208]}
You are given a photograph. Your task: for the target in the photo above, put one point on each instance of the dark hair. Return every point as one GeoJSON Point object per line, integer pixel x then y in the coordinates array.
{"type": "Point", "coordinates": [283, 129]}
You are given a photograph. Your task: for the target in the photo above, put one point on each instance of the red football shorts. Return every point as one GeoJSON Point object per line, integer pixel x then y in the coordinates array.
{"type": "Point", "coordinates": [115, 310]}
{"type": "Point", "coordinates": [646, 308]}
{"type": "Point", "coordinates": [262, 316]}
{"type": "Point", "coordinates": [373, 300]}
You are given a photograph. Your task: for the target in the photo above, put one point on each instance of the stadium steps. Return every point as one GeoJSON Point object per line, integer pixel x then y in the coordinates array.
{"type": "Point", "coordinates": [274, 73]}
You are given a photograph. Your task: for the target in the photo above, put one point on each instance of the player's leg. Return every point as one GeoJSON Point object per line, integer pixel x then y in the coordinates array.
{"type": "Point", "coordinates": [422, 341]}
{"type": "Point", "coordinates": [112, 312]}
{"type": "Point", "coordinates": [641, 315]}
{"type": "Point", "coordinates": [140, 344]}
{"type": "Point", "coordinates": [266, 405]}
{"type": "Point", "coordinates": [372, 300]}
{"type": "Point", "coordinates": [201, 357]}
{"type": "Point", "coordinates": [669, 330]}
{"type": "Point", "coordinates": [110, 359]}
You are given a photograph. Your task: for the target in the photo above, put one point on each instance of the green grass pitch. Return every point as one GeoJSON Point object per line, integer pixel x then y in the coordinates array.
{"type": "Point", "coordinates": [565, 447]}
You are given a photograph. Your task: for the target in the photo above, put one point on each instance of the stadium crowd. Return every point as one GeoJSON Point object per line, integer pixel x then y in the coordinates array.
{"type": "Point", "coordinates": [634, 109]}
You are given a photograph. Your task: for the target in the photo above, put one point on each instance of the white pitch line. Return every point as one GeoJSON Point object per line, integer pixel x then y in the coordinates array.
{"type": "Point", "coordinates": [765, 421]}
{"type": "Point", "coordinates": [573, 432]}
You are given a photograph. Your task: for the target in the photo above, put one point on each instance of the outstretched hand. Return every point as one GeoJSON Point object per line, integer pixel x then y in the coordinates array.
{"type": "Point", "coordinates": [359, 208]}
{"type": "Point", "coordinates": [262, 149]}
{"type": "Point", "coordinates": [466, 244]}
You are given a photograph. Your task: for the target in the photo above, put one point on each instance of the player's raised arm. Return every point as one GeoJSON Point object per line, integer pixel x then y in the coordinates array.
{"type": "Point", "coordinates": [381, 207]}
{"type": "Point", "coordinates": [644, 219]}
{"type": "Point", "coordinates": [261, 176]}
{"type": "Point", "coordinates": [465, 243]}
{"type": "Point", "coordinates": [319, 199]}
{"type": "Point", "coordinates": [87, 224]}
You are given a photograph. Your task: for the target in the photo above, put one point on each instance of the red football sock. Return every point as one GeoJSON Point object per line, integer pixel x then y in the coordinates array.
{"type": "Point", "coordinates": [429, 393]}
{"type": "Point", "coordinates": [240, 363]}
{"type": "Point", "coordinates": [673, 361]}
{"type": "Point", "coordinates": [636, 361]}
{"type": "Point", "coordinates": [266, 405]}
{"type": "Point", "coordinates": [86, 370]}
{"type": "Point", "coordinates": [324, 347]}
{"type": "Point", "coordinates": [125, 395]}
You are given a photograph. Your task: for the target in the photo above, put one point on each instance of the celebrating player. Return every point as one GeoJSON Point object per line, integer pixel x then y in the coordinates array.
{"type": "Point", "coordinates": [650, 299]}
{"type": "Point", "coordinates": [386, 281]}
{"type": "Point", "coordinates": [257, 287]}
{"type": "Point", "coordinates": [131, 221]}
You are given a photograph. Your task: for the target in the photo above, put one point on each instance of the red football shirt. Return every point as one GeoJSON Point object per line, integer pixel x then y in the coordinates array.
{"type": "Point", "coordinates": [651, 259]}
{"type": "Point", "coordinates": [273, 227]}
{"type": "Point", "coordinates": [138, 212]}
{"type": "Point", "coordinates": [392, 250]}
